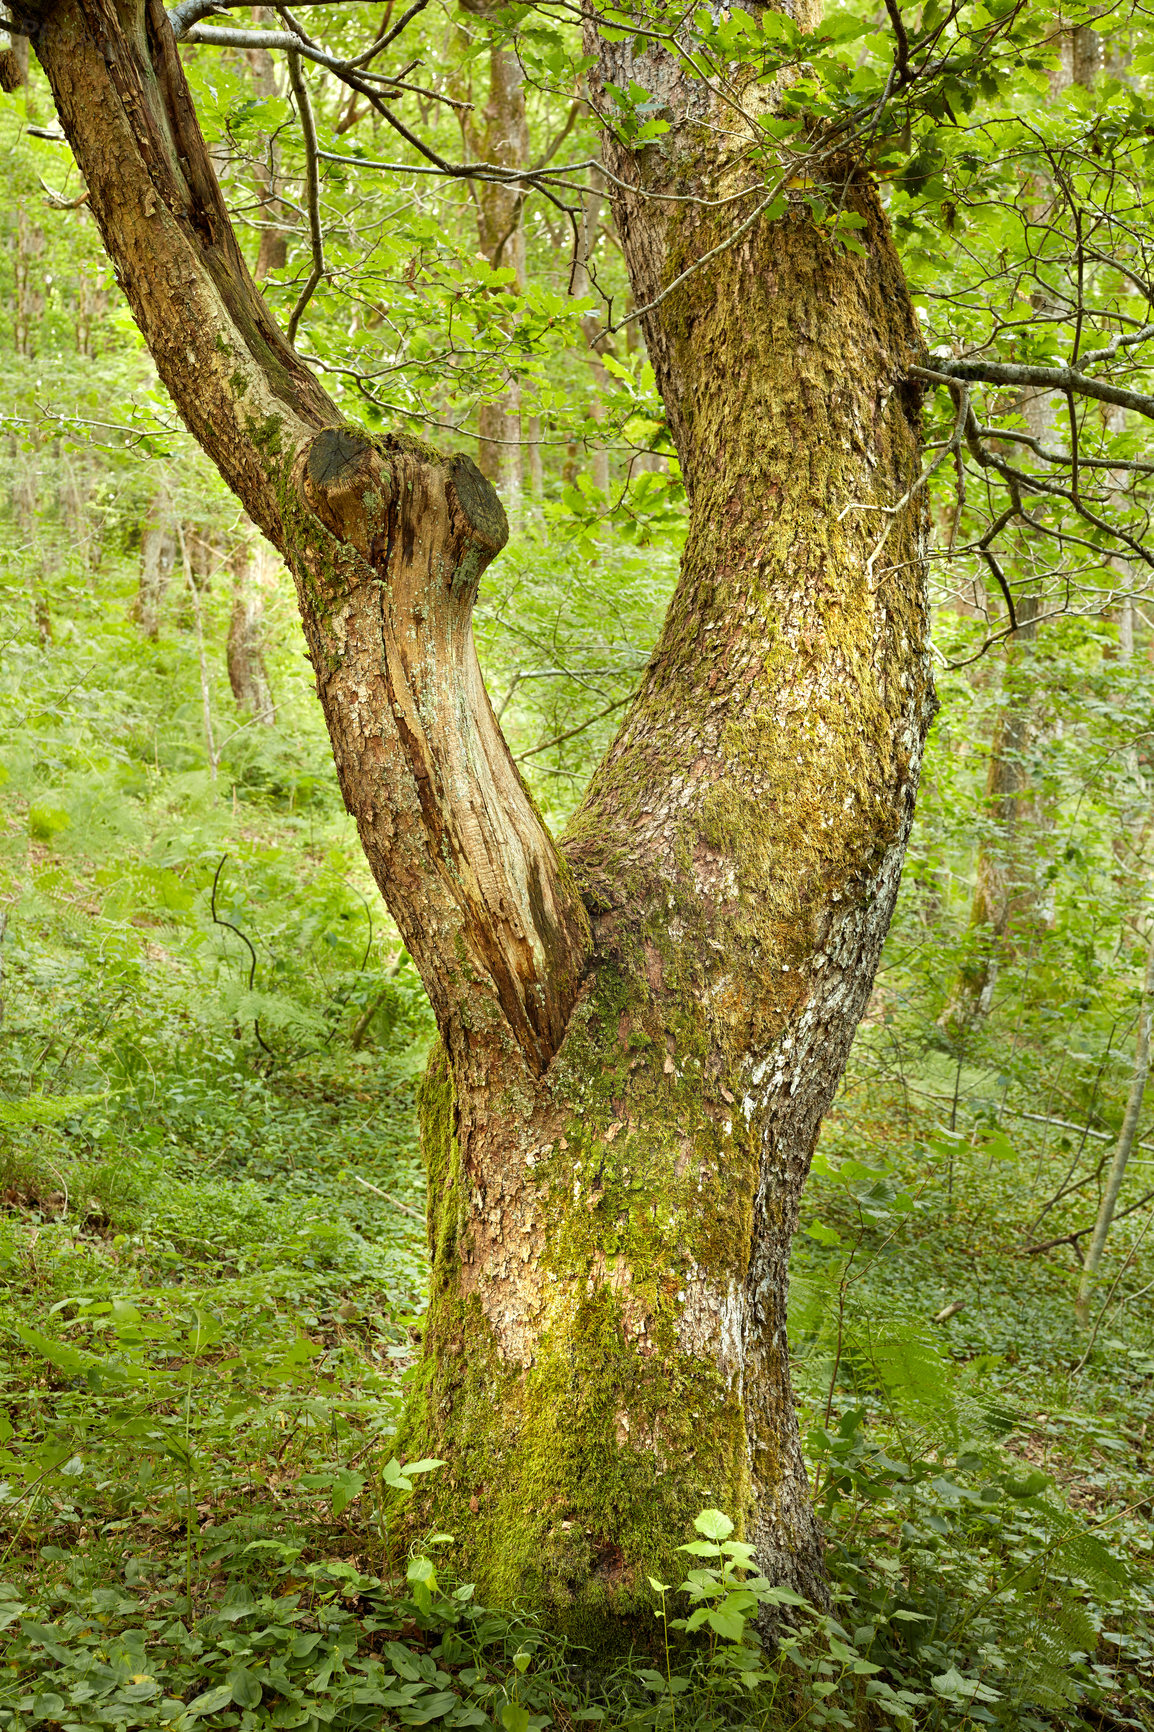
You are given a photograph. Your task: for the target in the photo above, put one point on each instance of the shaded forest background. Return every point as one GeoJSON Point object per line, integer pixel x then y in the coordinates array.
{"type": "Point", "coordinates": [211, 1244]}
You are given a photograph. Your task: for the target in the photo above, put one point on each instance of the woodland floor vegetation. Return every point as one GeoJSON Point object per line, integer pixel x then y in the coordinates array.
{"type": "Point", "coordinates": [213, 1263]}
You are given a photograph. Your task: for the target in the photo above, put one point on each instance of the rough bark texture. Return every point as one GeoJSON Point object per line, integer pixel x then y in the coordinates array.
{"type": "Point", "coordinates": [621, 1116]}
{"type": "Point", "coordinates": [606, 1345]}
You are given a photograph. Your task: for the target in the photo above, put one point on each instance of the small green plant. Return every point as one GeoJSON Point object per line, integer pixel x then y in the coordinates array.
{"type": "Point", "coordinates": [769, 1652]}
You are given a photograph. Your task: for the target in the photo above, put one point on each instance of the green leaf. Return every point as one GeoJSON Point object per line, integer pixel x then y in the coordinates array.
{"type": "Point", "coordinates": [428, 1708]}
{"type": "Point", "coordinates": [955, 1688]}
{"type": "Point", "coordinates": [218, 1697]}
{"type": "Point", "coordinates": [514, 1718]}
{"type": "Point", "coordinates": [713, 1524]}
{"type": "Point", "coordinates": [730, 1625]}
{"type": "Point", "coordinates": [824, 1235]}
{"type": "Point", "coordinates": [245, 1688]}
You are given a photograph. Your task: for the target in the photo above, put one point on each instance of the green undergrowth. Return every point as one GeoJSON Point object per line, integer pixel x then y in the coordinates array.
{"type": "Point", "coordinates": [213, 1273]}
{"type": "Point", "coordinates": [205, 1347]}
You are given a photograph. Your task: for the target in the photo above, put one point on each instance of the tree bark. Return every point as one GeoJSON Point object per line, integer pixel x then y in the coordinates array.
{"type": "Point", "coordinates": [639, 1037]}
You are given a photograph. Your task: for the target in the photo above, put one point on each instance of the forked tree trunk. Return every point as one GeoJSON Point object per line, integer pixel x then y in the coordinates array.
{"type": "Point", "coordinates": [640, 1031]}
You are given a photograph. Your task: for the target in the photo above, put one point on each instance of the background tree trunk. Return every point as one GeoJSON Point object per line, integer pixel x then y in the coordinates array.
{"type": "Point", "coordinates": [275, 220]}
{"type": "Point", "coordinates": [1006, 890]}
{"type": "Point", "coordinates": [13, 60]}
{"type": "Point", "coordinates": [157, 557]}
{"type": "Point", "coordinates": [591, 204]}
{"type": "Point", "coordinates": [504, 139]}
{"type": "Point", "coordinates": [253, 575]}
{"type": "Point", "coordinates": [1122, 1150]}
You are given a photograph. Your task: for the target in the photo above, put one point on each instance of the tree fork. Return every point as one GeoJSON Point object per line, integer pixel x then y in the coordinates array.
{"type": "Point", "coordinates": [622, 1115]}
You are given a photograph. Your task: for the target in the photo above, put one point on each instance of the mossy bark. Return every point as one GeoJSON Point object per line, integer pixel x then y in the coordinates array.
{"type": "Point", "coordinates": [642, 1027]}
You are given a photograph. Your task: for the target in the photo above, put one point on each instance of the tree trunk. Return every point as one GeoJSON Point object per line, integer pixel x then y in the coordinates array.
{"type": "Point", "coordinates": [13, 60]}
{"type": "Point", "coordinates": [1006, 890]}
{"type": "Point", "coordinates": [157, 557]}
{"type": "Point", "coordinates": [639, 1036]}
{"type": "Point", "coordinates": [253, 574]}
{"type": "Point", "coordinates": [275, 220]}
{"type": "Point", "coordinates": [1123, 1148]}
{"type": "Point", "coordinates": [591, 203]}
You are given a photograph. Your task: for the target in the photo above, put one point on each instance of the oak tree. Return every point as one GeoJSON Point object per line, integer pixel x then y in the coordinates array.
{"type": "Point", "coordinates": [641, 1022]}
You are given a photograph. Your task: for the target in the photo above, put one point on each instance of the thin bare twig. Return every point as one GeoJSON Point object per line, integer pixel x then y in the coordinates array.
{"type": "Point", "coordinates": [312, 188]}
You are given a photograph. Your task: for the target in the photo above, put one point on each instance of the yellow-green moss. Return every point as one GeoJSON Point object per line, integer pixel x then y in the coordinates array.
{"type": "Point", "coordinates": [572, 1479]}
